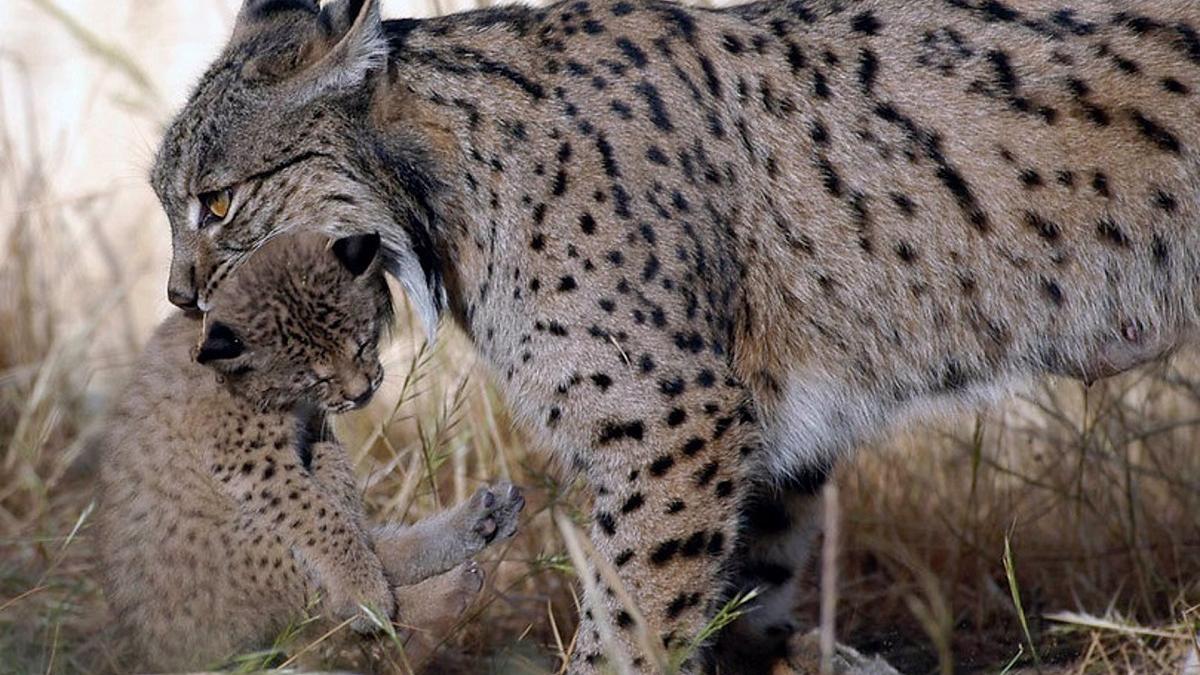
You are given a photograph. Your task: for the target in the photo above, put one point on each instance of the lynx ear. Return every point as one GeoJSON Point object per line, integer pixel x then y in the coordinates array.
{"type": "Point", "coordinates": [325, 48]}
{"type": "Point", "coordinates": [359, 45]}
{"type": "Point", "coordinates": [220, 344]}
{"type": "Point", "coordinates": [356, 253]}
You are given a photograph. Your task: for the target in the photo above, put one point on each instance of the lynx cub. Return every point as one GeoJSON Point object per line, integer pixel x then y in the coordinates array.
{"type": "Point", "coordinates": [226, 508]}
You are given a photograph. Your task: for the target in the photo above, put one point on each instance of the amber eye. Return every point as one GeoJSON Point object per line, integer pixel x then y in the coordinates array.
{"type": "Point", "coordinates": [216, 205]}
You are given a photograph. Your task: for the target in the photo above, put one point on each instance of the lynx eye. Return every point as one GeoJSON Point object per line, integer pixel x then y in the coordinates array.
{"type": "Point", "coordinates": [216, 206]}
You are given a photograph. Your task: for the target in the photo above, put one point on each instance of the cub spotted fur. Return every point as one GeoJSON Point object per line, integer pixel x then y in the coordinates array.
{"type": "Point", "coordinates": [226, 509]}
{"type": "Point", "coordinates": [707, 252]}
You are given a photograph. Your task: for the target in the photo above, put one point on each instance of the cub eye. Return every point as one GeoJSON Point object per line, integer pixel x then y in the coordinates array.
{"type": "Point", "coordinates": [216, 206]}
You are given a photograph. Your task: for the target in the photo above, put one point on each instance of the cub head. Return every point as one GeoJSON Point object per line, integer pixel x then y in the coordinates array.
{"type": "Point", "coordinates": [277, 136]}
{"type": "Point", "coordinates": [300, 323]}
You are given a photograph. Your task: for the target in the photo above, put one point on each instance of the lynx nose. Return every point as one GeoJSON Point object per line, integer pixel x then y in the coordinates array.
{"type": "Point", "coordinates": [183, 298]}
{"type": "Point", "coordinates": [181, 287]}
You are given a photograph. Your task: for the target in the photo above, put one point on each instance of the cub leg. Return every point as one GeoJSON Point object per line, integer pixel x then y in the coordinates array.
{"type": "Point", "coordinates": [431, 546]}
{"type": "Point", "coordinates": [434, 605]}
{"type": "Point", "coordinates": [779, 525]}
{"type": "Point", "coordinates": [277, 489]}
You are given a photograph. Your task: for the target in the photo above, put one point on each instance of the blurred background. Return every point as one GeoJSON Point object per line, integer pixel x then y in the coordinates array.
{"type": "Point", "coordinates": [1059, 531]}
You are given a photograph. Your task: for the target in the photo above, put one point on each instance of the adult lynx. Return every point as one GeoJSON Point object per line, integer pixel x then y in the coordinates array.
{"type": "Point", "coordinates": [706, 252]}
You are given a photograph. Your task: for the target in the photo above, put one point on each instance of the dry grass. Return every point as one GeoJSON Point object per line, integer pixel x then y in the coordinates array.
{"type": "Point", "coordinates": [1090, 498]}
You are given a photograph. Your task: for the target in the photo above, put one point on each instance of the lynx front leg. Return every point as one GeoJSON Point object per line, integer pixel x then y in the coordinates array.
{"type": "Point", "coordinates": [668, 490]}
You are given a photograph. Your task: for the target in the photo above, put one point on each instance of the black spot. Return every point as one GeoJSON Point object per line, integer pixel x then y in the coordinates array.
{"type": "Point", "coordinates": [705, 475]}
{"type": "Point", "coordinates": [1100, 184]}
{"type": "Point", "coordinates": [1165, 201]}
{"type": "Point", "coordinates": [602, 381]}
{"type": "Point", "coordinates": [675, 506]}
{"type": "Point", "coordinates": [693, 445]}
{"type": "Point", "coordinates": [732, 43]}
{"type": "Point", "coordinates": [1052, 291]}
{"type": "Point", "coordinates": [1108, 231]}
{"type": "Point", "coordinates": [829, 177]}
{"type": "Point", "coordinates": [820, 85]}
{"type": "Point", "coordinates": [868, 68]}
{"type": "Point", "coordinates": [866, 23]}
{"type": "Point", "coordinates": [632, 52]}
{"type": "Point", "coordinates": [819, 133]}
{"type": "Point", "coordinates": [1158, 248]}
{"type": "Point", "coordinates": [694, 545]}
{"type": "Point", "coordinates": [710, 76]}
{"type": "Point", "coordinates": [587, 223]}
{"type": "Point", "coordinates": [676, 417]}
{"type": "Point", "coordinates": [567, 284]}
{"type": "Point", "coordinates": [795, 57]}
{"type": "Point", "coordinates": [905, 252]}
{"type": "Point", "coordinates": [553, 417]}
{"type": "Point", "coordinates": [623, 557]}
{"type": "Point", "coordinates": [664, 552]}
{"type": "Point", "coordinates": [1096, 114]}
{"type": "Point", "coordinates": [624, 620]}
{"type": "Point", "coordinates": [903, 203]}
{"type": "Point", "coordinates": [1174, 86]}
{"type": "Point", "coordinates": [1044, 228]}
{"type": "Point", "coordinates": [633, 503]}
{"type": "Point", "coordinates": [658, 111]}
{"type": "Point", "coordinates": [672, 388]}
{"type": "Point", "coordinates": [1156, 133]}
{"type": "Point", "coordinates": [656, 155]}
{"type": "Point", "coordinates": [661, 465]}
{"type": "Point", "coordinates": [1031, 178]}
{"type": "Point", "coordinates": [607, 523]}
{"type": "Point", "coordinates": [606, 155]}
{"type": "Point", "coordinates": [538, 242]}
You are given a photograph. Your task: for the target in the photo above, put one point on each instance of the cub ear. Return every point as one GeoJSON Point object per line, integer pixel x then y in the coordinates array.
{"type": "Point", "coordinates": [356, 253]}
{"type": "Point", "coordinates": [220, 344]}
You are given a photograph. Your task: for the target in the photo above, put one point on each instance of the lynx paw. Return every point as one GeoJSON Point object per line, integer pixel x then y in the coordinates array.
{"type": "Point", "coordinates": [494, 511]}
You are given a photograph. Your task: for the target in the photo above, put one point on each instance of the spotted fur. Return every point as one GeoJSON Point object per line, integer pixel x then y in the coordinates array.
{"type": "Point", "coordinates": [707, 252]}
{"type": "Point", "coordinates": [226, 508]}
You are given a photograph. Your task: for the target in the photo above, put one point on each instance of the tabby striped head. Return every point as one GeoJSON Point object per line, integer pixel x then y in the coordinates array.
{"type": "Point", "coordinates": [277, 137]}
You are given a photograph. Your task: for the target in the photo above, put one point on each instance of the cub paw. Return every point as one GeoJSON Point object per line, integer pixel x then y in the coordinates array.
{"type": "Point", "coordinates": [494, 511]}
{"type": "Point", "coordinates": [466, 581]}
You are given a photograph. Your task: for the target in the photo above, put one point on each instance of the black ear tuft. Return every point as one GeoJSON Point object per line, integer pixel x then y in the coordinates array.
{"type": "Point", "coordinates": [221, 343]}
{"type": "Point", "coordinates": [357, 253]}
{"type": "Point", "coordinates": [263, 9]}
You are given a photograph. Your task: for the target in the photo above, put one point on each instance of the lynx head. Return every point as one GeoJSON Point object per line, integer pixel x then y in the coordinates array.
{"type": "Point", "coordinates": [277, 136]}
{"type": "Point", "coordinates": [300, 323]}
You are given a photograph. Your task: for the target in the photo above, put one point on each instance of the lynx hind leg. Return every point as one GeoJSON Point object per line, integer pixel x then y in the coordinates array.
{"type": "Point", "coordinates": [779, 527]}
{"type": "Point", "coordinates": [436, 544]}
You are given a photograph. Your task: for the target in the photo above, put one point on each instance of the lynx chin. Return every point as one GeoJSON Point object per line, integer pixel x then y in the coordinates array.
{"type": "Point", "coordinates": [706, 252]}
